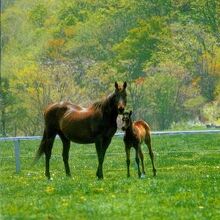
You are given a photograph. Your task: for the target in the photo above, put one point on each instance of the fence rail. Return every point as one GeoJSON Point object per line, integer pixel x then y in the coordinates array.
{"type": "Point", "coordinates": [120, 134]}
{"type": "Point", "coordinates": [17, 140]}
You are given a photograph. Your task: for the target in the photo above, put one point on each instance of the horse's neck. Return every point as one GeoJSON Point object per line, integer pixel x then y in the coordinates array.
{"type": "Point", "coordinates": [109, 110]}
{"type": "Point", "coordinates": [110, 114]}
{"type": "Point", "coordinates": [129, 130]}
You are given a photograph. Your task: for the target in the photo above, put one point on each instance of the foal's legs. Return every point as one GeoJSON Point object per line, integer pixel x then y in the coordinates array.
{"type": "Point", "coordinates": [137, 159]}
{"type": "Point", "coordinates": [127, 150]}
{"type": "Point", "coordinates": [148, 143]}
{"type": "Point", "coordinates": [142, 160]}
{"type": "Point", "coordinates": [65, 154]}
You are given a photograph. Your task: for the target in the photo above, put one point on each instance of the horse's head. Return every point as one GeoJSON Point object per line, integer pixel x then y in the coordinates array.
{"type": "Point", "coordinates": [126, 120]}
{"type": "Point", "coordinates": [120, 97]}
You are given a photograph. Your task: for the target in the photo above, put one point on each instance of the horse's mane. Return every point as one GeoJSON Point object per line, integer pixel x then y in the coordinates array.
{"type": "Point", "coordinates": [103, 103]}
{"type": "Point", "coordinates": [98, 104]}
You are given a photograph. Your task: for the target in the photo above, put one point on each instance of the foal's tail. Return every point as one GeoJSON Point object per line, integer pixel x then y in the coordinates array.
{"type": "Point", "coordinates": [41, 149]}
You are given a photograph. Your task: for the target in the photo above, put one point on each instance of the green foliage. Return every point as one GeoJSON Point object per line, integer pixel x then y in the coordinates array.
{"type": "Point", "coordinates": [38, 15]}
{"type": "Point", "coordinates": [71, 13]}
{"type": "Point", "coordinates": [187, 125]}
{"type": "Point", "coordinates": [100, 86]}
{"type": "Point", "coordinates": [6, 100]}
{"type": "Point", "coordinates": [142, 42]}
{"type": "Point", "coordinates": [211, 112]}
{"type": "Point", "coordinates": [207, 12]}
{"type": "Point", "coordinates": [161, 93]}
{"type": "Point", "coordinates": [167, 51]}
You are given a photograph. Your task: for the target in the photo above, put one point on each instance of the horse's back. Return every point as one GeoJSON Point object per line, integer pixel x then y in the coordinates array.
{"type": "Point", "coordinates": [142, 124]}
{"type": "Point", "coordinates": [54, 112]}
{"type": "Point", "coordinates": [142, 128]}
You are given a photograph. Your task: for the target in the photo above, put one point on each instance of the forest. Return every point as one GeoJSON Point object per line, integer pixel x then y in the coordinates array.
{"type": "Point", "coordinates": [168, 51]}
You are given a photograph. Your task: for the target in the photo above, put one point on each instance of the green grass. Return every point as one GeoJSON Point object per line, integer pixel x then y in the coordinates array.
{"type": "Point", "coordinates": [187, 185]}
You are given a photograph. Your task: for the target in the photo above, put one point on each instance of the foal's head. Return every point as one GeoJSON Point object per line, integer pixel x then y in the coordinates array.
{"type": "Point", "coordinates": [126, 120]}
{"type": "Point", "coordinates": [120, 97]}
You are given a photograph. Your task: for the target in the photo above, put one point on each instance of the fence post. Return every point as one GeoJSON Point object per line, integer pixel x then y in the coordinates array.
{"type": "Point", "coordinates": [17, 155]}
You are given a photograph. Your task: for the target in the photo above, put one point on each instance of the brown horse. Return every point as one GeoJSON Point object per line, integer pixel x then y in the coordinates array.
{"type": "Point", "coordinates": [136, 133]}
{"type": "Point", "coordinates": [95, 124]}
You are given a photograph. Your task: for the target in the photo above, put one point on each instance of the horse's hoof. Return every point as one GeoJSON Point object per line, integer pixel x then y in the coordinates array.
{"type": "Point", "coordinates": [68, 175]}
{"type": "Point", "coordinates": [99, 176]}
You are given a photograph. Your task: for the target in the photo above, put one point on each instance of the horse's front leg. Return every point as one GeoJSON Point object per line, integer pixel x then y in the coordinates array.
{"type": "Point", "coordinates": [101, 147]}
{"type": "Point", "coordinates": [100, 153]}
{"type": "Point", "coordinates": [127, 150]}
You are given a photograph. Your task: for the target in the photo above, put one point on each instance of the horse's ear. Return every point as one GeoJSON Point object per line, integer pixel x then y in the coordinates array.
{"type": "Point", "coordinates": [124, 85]}
{"type": "Point", "coordinates": [130, 113]}
{"type": "Point", "coordinates": [116, 85]}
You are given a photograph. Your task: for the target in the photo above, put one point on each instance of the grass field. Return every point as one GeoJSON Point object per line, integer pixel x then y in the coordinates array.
{"type": "Point", "coordinates": [187, 185]}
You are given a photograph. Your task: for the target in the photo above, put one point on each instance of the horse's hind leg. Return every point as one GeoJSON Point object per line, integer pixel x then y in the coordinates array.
{"type": "Point", "coordinates": [65, 154]}
{"type": "Point", "coordinates": [148, 143]}
{"type": "Point", "coordinates": [142, 162]}
{"type": "Point", "coordinates": [48, 148]}
{"type": "Point", "coordinates": [137, 160]}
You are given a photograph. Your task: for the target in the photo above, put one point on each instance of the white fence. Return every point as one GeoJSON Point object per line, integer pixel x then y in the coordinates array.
{"type": "Point", "coordinates": [17, 140]}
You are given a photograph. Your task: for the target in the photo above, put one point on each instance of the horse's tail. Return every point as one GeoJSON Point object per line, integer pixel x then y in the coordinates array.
{"type": "Point", "coordinates": [41, 148]}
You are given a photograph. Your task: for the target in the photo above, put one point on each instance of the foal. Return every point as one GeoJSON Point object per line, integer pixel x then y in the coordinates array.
{"type": "Point", "coordinates": [136, 133]}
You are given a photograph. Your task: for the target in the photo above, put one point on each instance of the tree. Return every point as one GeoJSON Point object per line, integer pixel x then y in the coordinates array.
{"type": "Point", "coordinates": [6, 99]}
{"type": "Point", "coordinates": [74, 50]}
{"type": "Point", "coordinates": [140, 45]}
{"type": "Point", "coordinates": [161, 93]}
